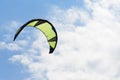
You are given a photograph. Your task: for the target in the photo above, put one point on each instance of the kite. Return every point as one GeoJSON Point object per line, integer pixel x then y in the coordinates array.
{"type": "Point", "coordinates": [45, 27]}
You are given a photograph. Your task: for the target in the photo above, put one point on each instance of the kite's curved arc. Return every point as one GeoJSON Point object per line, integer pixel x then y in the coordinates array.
{"type": "Point", "coordinates": [44, 26]}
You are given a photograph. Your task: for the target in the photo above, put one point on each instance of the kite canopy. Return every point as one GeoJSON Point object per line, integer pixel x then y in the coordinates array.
{"type": "Point", "coordinates": [44, 26]}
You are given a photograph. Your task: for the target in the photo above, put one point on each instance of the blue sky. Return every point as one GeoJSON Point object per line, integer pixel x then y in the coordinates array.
{"type": "Point", "coordinates": [12, 10]}
{"type": "Point", "coordinates": [93, 54]}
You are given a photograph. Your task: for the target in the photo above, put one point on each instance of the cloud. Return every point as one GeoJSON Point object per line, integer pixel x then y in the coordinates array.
{"type": "Point", "coordinates": [86, 51]}
{"type": "Point", "coordinates": [6, 41]}
{"type": "Point", "coordinates": [9, 46]}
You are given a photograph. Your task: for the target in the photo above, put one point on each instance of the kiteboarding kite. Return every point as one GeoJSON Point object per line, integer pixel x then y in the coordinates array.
{"type": "Point", "coordinates": [44, 26]}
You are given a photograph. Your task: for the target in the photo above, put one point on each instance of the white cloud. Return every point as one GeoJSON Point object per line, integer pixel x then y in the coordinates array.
{"type": "Point", "coordinates": [8, 30]}
{"type": "Point", "coordinates": [9, 46]}
{"type": "Point", "coordinates": [71, 16]}
{"type": "Point", "coordinates": [84, 52]}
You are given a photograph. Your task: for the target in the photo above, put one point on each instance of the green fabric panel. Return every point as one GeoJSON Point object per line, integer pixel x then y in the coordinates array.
{"type": "Point", "coordinates": [32, 23]}
{"type": "Point", "coordinates": [46, 28]}
{"type": "Point", "coordinates": [52, 44]}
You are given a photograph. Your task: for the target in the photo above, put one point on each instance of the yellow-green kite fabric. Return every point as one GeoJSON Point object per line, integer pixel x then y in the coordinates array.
{"type": "Point", "coordinates": [44, 26]}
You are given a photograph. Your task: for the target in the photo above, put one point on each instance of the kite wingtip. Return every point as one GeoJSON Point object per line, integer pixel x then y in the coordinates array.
{"type": "Point", "coordinates": [14, 39]}
{"type": "Point", "coordinates": [50, 52]}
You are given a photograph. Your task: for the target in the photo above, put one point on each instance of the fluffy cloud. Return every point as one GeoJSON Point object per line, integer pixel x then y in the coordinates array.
{"type": "Point", "coordinates": [9, 46]}
{"type": "Point", "coordinates": [7, 37]}
{"type": "Point", "coordinates": [88, 46]}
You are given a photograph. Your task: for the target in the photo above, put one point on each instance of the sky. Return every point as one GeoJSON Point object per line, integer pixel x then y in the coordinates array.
{"type": "Point", "coordinates": [88, 40]}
